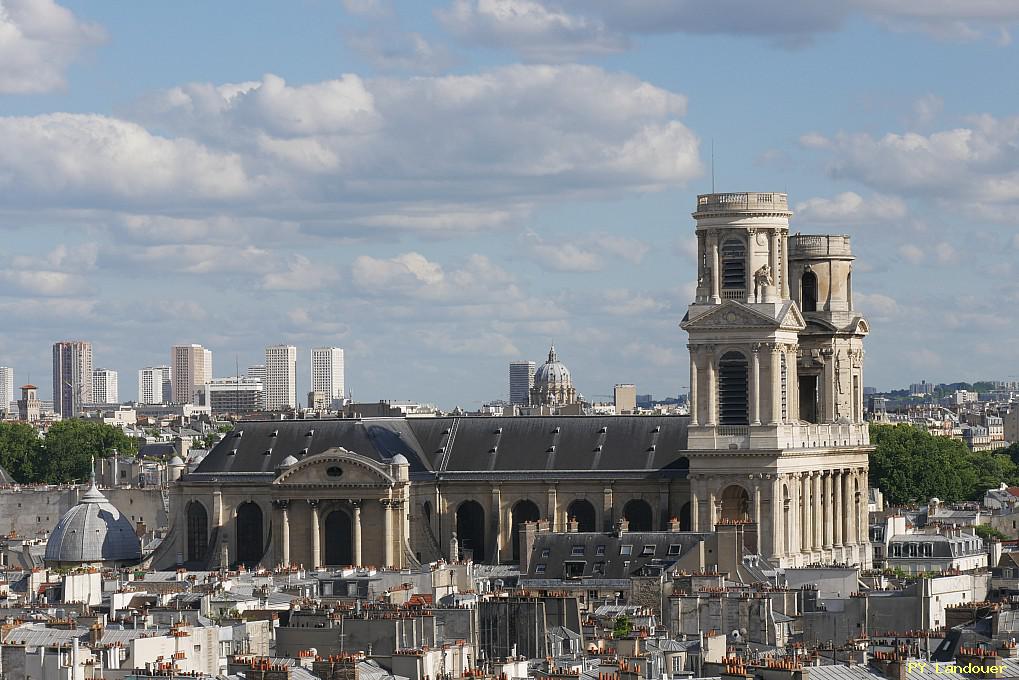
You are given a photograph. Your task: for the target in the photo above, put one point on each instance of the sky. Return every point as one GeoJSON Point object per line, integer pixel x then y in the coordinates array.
{"type": "Point", "coordinates": [443, 187]}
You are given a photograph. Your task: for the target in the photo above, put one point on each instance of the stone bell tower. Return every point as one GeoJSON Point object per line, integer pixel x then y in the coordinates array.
{"type": "Point", "coordinates": [754, 457]}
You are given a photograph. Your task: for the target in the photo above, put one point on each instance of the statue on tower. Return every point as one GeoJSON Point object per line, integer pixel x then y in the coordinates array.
{"type": "Point", "coordinates": [762, 279]}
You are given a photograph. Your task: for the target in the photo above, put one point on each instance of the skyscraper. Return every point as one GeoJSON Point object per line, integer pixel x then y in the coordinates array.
{"type": "Point", "coordinates": [72, 377]}
{"type": "Point", "coordinates": [104, 386]}
{"type": "Point", "coordinates": [6, 388]}
{"type": "Point", "coordinates": [280, 377]}
{"type": "Point", "coordinates": [521, 380]}
{"type": "Point", "coordinates": [191, 368]}
{"type": "Point", "coordinates": [154, 385]}
{"type": "Point", "coordinates": [327, 372]}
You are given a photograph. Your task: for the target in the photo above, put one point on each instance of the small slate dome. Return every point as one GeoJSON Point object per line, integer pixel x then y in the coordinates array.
{"type": "Point", "coordinates": [176, 462]}
{"type": "Point", "coordinates": [289, 461]}
{"type": "Point", "coordinates": [93, 532]}
{"type": "Point", "coordinates": [399, 459]}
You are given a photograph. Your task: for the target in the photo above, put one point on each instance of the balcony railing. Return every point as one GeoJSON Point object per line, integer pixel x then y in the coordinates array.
{"type": "Point", "coordinates": [746, 201]}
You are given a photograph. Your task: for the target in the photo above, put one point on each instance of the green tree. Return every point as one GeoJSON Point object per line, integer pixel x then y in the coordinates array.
{"type": "Point", "coordinates": [21, 452]}
{"type": "Point", "coordinates": [910, 465]}
{"type": "Point", "coordinates": [987, 532]}
{"type": "Point", "coordinates": [622, 627]}
{"type": "Point", "coordinates": [70, 446]}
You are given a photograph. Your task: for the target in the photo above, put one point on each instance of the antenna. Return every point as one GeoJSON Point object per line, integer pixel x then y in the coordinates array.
{"type": "Point", "coordinates": [712, 165]}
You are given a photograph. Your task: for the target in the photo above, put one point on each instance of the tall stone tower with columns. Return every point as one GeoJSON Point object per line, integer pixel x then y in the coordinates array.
{"type": "Point", "coordinates": [776, 434]}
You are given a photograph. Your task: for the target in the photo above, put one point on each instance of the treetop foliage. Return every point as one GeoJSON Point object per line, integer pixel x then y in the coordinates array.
{"type": "Point", "coordinates": [63, 454]}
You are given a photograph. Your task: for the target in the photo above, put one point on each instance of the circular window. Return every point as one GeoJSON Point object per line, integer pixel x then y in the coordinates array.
{"type": "Point", "coordinates": [335, 471]}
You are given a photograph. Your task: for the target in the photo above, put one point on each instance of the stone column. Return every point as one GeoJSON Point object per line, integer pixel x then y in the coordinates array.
{"type": "Point", "coordinates": [758, 520]}
{"type": "Point", "coordinates": [777, 519]}
{"type": "Point", "coordinates": [818, 523]}
{"type": "Point", "coordinates": [712, 515]}
{"type": "Point", "coordinates": [793, 384]}
{"type": "Point", "coordinates": [828, 390]}
{"type": "Point", "coordinates": [316, 540]}
{"type": "Point", "coordinates": [357, 530]}
{"type": "Point", "coordinates": [826, 506]}
{"type": "Point", "coordinates": [702, 285]}
{"type": "Point", "coordinates": [776, 274]}
{"type": "Point", "coordinates": [807, 532]}
{"type": "Point", "coordinates": [863, 524]}
{"type": "Point", "coordinates": [849, 510]}
{"type": "Point", "coordinates": [693, 385]}
{"type": "Point", "coordinates": [551, 507]}
{"type": "Point", "coordinates": [837, 510]}
{"type": "Point", "coordinates": [387, 530]}
{"type": "Point", "coordinates": [712, 391]}
{"type": "Point", "coordinates": [776, 385]}
{"type": "Point", "coordinates": [715, 274]}
{"type": "Point", "coordinates": [663, 506]}
{"type": "Point", "coordinates": [755, 384]}
{"type": "Point", "coordinates": [607, 510]}
{"type": "Point", "coordinates": [794, 513]}
{"type": "Point", "coordinates": [285, 531]}
{"type": "Point", "coordinates": [695, 503]}
{"type": "Point", "coordinates": [496, 512]}
{"type": "Point", "coordinates": [749, 293]}
{"type": "Point", "coordinates": [784, 262]}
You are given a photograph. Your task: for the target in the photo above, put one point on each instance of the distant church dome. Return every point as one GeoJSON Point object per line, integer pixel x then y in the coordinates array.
{"type": "Point", "coordinates": [93, 532]}
{"type": "Point", "coordinates": [553, 385]}
{"type": "Point", "coordinates": [552, 371]}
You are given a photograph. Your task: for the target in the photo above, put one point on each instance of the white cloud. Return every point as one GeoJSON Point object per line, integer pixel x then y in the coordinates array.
{"type": "Point", "coordinates": [851, 207]}
{"type": "Point", "coordinates": [368, 7]}
{"type": "Point", "coordinates": [911, 253]}
{"type": "Point", "coordinates": [876, 305]}
{"type": "Point", "coordinates": [43, 282]}
{"type": "Point", "coordinates": [301, 274]}
{"type": "Point", "coordinates": [402, 52]}
{"type": "Point", "coordinates": [38, 41]}
{"type": "Point", "coordinates": [588, 253]}
{"type": "Point", "coordinates": [561, 30]}
{"type": "Point", "coordinates": [649, 352]}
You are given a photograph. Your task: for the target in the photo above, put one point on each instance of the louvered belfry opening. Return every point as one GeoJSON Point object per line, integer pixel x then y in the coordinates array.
{"type": "Point", "coordinates": [734, 269]}
{"type": "Point", "coordinates": [733, 388]}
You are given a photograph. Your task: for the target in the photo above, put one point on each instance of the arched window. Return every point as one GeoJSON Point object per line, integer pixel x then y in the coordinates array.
{"type": "Point", "coordinates": [638, 514]}
{"type": "Point", "coordinates": [808, 292]}
{"type": "Point", "coordinates": [582, 511]}
{"type": "Point", "coordinates": [198, 532]}
{"type": "Point", "coordinates": [734, 269]}
{"type": "Point", "coordinates": [524, 511]}
{"type": "Point", "coordinates": [732, 389]}
{"type": "Point", "coordinates": [470, 530]}
{"type": "Point", "coordinates": [339, 538]}
{"type": "Point", "coordinates": [735, 503]}
{"type": "Point", "coordinates": [249, 534]}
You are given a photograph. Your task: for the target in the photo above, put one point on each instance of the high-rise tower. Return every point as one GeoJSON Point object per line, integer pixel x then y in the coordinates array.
{"type": "Point", "coordinates": [72, 377]}
{"type": "Point", "coordinates": [280, 377]}
{"type": "Point", "coordinates": [191, 368]}
{"type": "Point", "coordinates": [776, 435]}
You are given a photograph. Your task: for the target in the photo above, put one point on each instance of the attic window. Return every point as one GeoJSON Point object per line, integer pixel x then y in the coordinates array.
{"type": "Point", "coordinates": [657, 428]}
{"type": "Point", "coordinates": [651, 448]}
{"type": "Point", "coordinates": [267, 452]}
{"type": "Point", "coordinates": [626, 550]}
{"type": "Point", "coordinates": [310, 433]}
{"type": "Point", "coordinates": [441, 449]}
{"type": "Point", "coordinates": [598, 448]}
{"type": "Point", "coordinates": [603, 430]}
{"type": "Point", "coordinates": [274, 433]}
{"type": "Point", "coordinates": [577, 550]}
{"type": "Point", "coordinates": [555, 430]}
{"type": "Point", "coordinates": [446, 431]}
{"type": "Point", "coordinates": [238, 434]}
{"type": "Point", "coordinates": [492, 450]}
{"type": "Point", "coordinates": [550, 449]}
{"type": "Point", "coordinates": [600, 550]}
{"type": "Point", "coordinates": [648, 550]}
{"type": "Point", "coordinates": [674, 548]}
{"type": "Point", "coordinates": [303, 452]}
{"type": "Point", "coordinates": [232, 452]}
{"type": "Point", "coordinates": [497, 430]}
{"type": "Point", "coordinates": [539, 569]}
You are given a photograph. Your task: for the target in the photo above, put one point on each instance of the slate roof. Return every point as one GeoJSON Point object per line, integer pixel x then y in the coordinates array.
{"type": "Point", "coordinates": [605, 556]}
{"type": "Point", "coordinates": [94, 530]}
{"type": "Point", "coordinates": [453, 447]}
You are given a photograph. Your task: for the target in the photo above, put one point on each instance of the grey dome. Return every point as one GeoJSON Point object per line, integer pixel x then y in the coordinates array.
{"type": "Point", "coordinates": [288, 462]}
{"type": "Point", "coordinates": [399, 459]}
{"type": "Point", "coordinates": [552, 372]}
{"type": "Point", "coordinates": [93, 531]}
{"type": "Point", "coordinates": [176, 462]}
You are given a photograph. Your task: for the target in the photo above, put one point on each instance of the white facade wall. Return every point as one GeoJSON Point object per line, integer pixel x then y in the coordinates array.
{"type": "Point", "coordinates": [280, 377]}
{"type": "Point", "coordinates": [6, 388]}
{"type": "Point", "coordinates": [192, 367]}
{"type": "Point", "coordinates": [327, 372]}
{"type": "Point", "coordinates": [152, 384]}
{"type": "Point", "coordinates": [104, 386]}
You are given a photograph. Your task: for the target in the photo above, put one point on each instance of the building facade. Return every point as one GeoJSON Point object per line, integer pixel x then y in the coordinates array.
{"type": "Point", "coordinates": [775, 440]}
{"type": "Point", "coordinates": [191, 367]}
{"type": "Point", "coordinates": [327, 373]}
{"type": "Point", "coordinates": [521, 380]}
{"type": "Point", "coordinates": [6, 389]}
{"type": "Point", "coordinates": [155, 385]}
{"type": "Point", "coordinates": [280, 377]}
{"type": "Point", "coordinates": [29, 406]}
{"type": "Point", "coordinates": [72, 377]}
{"type": "Point", "coordinates": [624, 398]}
{"type": "Point", "coordinates": [236, 394]}
{"type": "Point", "coordinates": [104, 387]}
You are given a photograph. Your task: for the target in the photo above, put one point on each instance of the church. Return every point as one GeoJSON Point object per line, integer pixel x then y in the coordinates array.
{"type": "Point", "coordinates": [775, 439]}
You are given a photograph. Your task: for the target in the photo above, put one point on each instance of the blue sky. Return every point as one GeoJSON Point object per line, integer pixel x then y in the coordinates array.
{"type": "Point", "coordinates": [443, 187]}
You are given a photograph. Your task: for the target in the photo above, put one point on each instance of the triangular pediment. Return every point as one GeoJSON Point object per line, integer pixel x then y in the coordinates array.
{"type": "Point", "coordinates": [730, 314]}
{"type": "Point", "coordinates": [791, 318]}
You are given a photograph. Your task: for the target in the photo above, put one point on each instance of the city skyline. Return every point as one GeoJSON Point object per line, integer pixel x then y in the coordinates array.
{"type": "Point", "coordinates": [286, 179]}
